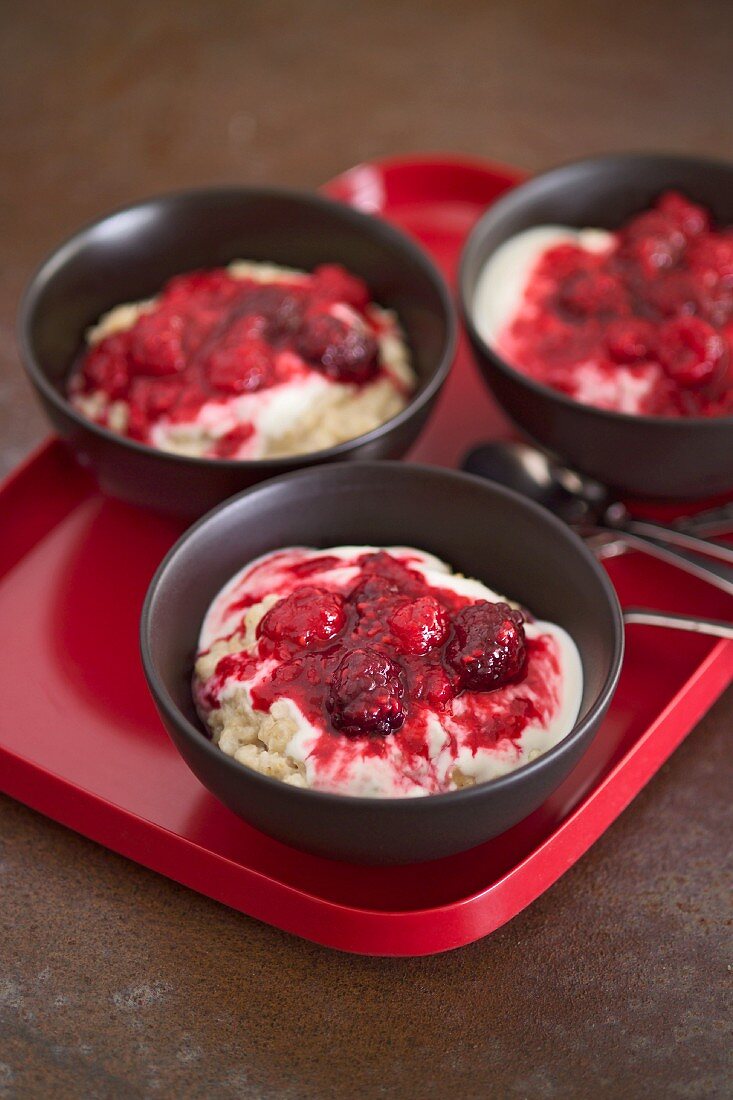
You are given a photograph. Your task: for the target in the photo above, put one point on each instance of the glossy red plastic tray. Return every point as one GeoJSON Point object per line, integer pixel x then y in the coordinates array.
{"type": "Point", "coordinates": [80, 740]}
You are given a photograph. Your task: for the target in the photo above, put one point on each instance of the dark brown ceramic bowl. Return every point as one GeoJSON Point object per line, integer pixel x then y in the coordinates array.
{"type": "Point", "coordinates": [480, 529]}
{"type": "Point", "coordinates": [645, 456]}
{"type": "Point", "coordinates": [128, 255]}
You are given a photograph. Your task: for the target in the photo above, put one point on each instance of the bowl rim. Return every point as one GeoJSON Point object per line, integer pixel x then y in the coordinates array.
{"type": "Point", "coordinates": [495, 212]}
{"type": "Point", "coordinates": [510, 779]}
{"type": "Point", "coordinates": [59, 256]}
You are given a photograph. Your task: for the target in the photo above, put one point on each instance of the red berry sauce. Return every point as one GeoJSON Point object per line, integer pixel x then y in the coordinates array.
{"type": "Point", "coordinates": [371, 653]}
{"type": "Point", "coordinates": [655, 307]}
{"type": "Point", "coordinates": [211, 336]}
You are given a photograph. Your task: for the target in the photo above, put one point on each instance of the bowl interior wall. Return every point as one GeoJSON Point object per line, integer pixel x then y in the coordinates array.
{"type": "Point", "coordinates": [128, 256]}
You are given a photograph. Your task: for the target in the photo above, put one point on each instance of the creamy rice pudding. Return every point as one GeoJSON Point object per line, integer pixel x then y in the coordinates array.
{"type": "Point", "coordinates": [368, 671]}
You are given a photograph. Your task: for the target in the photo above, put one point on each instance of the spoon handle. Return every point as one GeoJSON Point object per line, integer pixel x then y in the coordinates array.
{"type": "Point", "coordinates": [713, 572]}
{"type": "Point", "coordinates": [714, 521]}
{"type": "Point", "coordinates": [642, 616]}
{"type": "Point", "coordinates": [674, 537]}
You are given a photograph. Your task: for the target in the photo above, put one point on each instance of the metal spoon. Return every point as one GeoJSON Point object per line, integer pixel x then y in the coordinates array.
{"type": "Point", "coordinates": [583, 502]}
{"type": "Point", "coordinates": [707, 524]}
{"type": "Point", "coordinates": [643, 616]}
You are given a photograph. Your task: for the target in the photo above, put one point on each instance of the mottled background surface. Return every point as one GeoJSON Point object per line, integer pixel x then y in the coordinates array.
{"type": "Point", "coordinates": [115, 982]}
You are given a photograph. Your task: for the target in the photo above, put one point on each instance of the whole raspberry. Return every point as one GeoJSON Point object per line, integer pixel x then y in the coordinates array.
{"type": "Point", "coordinates": [487, 646]}
{"type": "Point", "coordinates": [692, 353]}
{"type": "Point", "coordinates": [382, 564]}
{"type": "Point", "coordinates": [652, 242]}
{"type": "Point", "coordinates": [372, 596]}
{"type": "Point", "coordinates": [418, 625]}
{"type": "Point", "coordinates": [346, 353]}
{"type": "Point", "coordinates": [366, 696]}
{"type": "Point", "coordinates": [157, 342]}
{"type": "Point", "coordinates": [307, 617]}
{"type": "Point", "coordinates": [240, 363]}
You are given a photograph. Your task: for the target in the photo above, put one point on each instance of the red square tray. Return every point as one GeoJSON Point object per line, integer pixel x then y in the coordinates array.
{"type": "Point", "coordinates": [80, 740]}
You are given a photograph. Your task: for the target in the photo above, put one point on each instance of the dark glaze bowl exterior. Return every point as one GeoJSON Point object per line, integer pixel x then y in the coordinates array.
{"type": "Point", "coordinates": [128, 255]}
{"type": "Point", "coordinates": [660, 457]}
{"type": "Point", "coordinates": [479, 528]}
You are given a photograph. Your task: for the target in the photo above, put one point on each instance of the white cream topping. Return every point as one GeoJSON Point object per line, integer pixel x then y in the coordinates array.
{"type": "Point", "coordinates": [625, 390]}
{"type": "Point", "coordinates": [504, 278]}
{"type": "Point", "coordinates": [500, 292]}
{"type": "Point", "coordinates": [273, 411]}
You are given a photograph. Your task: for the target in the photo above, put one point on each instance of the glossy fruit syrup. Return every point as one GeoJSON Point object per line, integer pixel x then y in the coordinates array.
{"type": "Point", "coordinates": [374, 662]}
{"type": "Point", "coordinates": [211, 336]}
{"type": "Point", "coordinates": [655, 306]}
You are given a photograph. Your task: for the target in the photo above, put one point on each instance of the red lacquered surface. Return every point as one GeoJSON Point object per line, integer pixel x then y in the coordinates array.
{"type": "Point", "coordinates": [80, 740]}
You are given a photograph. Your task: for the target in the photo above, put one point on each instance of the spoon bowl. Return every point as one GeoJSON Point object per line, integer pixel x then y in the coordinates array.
{"type": "Point", "coordinates": [573, 497]}
{"type": "Point", "coordinates": [582, 502]}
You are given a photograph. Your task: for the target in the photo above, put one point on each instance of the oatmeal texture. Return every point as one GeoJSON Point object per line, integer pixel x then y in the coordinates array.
{"type": "Point", "coordinates": [258, 740]}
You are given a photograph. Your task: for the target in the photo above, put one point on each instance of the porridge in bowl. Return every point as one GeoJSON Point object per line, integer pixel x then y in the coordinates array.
{"type": "Point", "coordinates": [380, 672]}
{"type": "Point", "coordinates": [639, 320]}
{"type": "Point", "coordinates": [250, 361]}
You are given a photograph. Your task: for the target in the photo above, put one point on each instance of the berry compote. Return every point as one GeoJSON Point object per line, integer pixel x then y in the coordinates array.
{"type": "Point", "coordinates": [405, 677]}
{"type": "Point", "coordinates": [643, 325]}
{"type": "Point", "coordinates": [203, 360]}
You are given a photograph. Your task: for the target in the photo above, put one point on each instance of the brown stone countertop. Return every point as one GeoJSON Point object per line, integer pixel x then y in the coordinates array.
{"type": "Point", "coordinates": [115, 982]}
